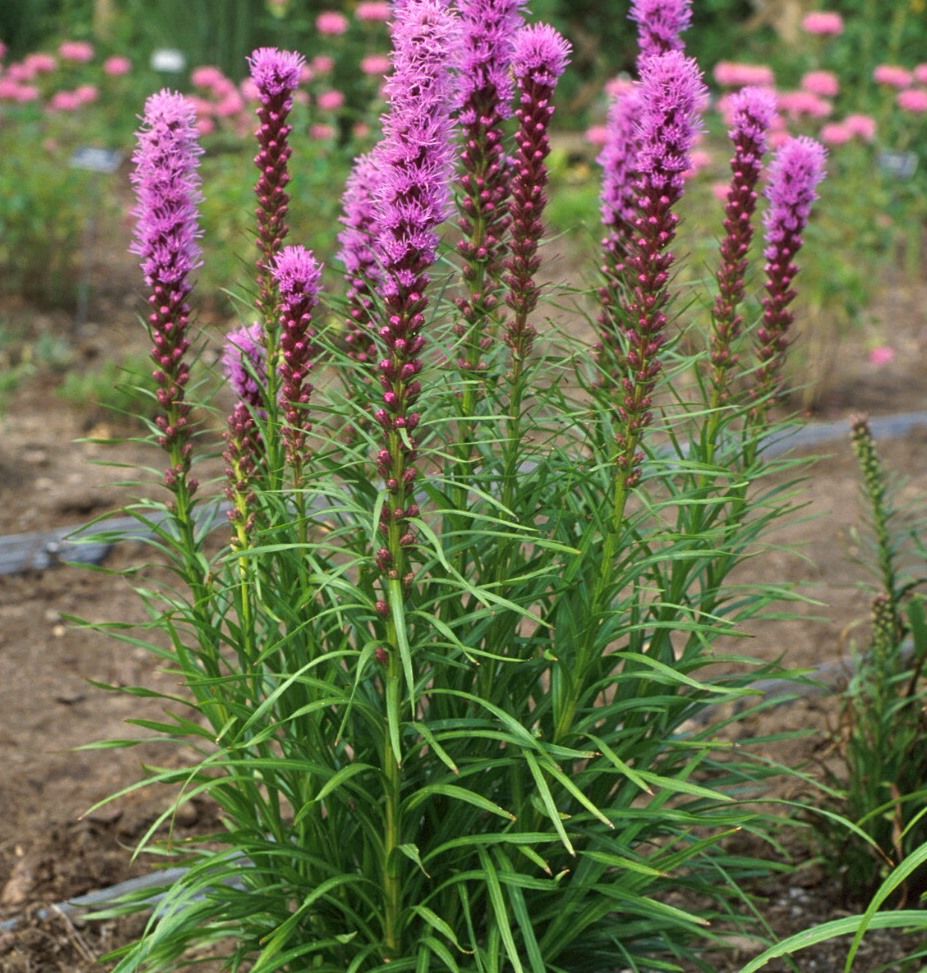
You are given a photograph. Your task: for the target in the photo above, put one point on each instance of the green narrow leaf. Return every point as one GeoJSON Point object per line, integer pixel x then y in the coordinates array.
{"type": "Point", "coordinates": [503, 926]}
{"type": "Point", "coordinates": [548, 800]}
{"type": "Point", "coordinates": [460, 794]}
{"type": "Point", "coordinates": [897, 876]}
{"type": "Point", "coordinates": [901, 919]}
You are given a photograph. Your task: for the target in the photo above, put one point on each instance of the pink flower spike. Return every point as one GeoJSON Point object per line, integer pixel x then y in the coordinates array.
{"type": "Point", "coordinates": [117, 66]}
{"type": "Point", "coordinates": [862, 126]}
{"type": "Point", "coordinates": [373, 11]}
{"type": "Point", "coordinates": [823, 83]}
{"type": "Point", "coordinates": [331, 23]}
{"type": "Point", "coordinates": [823, 24]}
{"type": "Point", "coordinates": [80, 52]}
{"type": "Point", "coordinates": [731, 74]}
{"type": "Point", "coordinates": [330, 100]}
{"type": "Point", "coordinates": [837, 133]}
{"type": "Point", "coordinates": [914, 100]}
{"type": "Point", "coordinates": [882, 355]}
{"type": "Point", "coordinates": [893, 76]}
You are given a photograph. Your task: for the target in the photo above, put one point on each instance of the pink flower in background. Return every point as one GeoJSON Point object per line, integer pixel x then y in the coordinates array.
{"type": "Point", "coordinates": [330, 100]}
{"type": "Point", "coordinates": [823, 24]}
{"type": "Point", "coordinates": [3, 50]}
{"type": "Point", "coordinates": [618, 87]}
{"type": "Point", "coordinates": [80, 52]}
{"type": "Point", "coordinates": [698, 160]}
{"type": "Point", "coordinates": [893, 76]}
{"type": "Point", "coordinates": [206, 76]}
{"type": "Point", "coordinates": [778, 137]}
{"type": "Point", "coordinates": [732, 74]}
{"type": "Point", "coordinates": [322, 64]}
{"type": "Point", "coordinates": [720, 191]}
{"type": "Point", "coordinates": [322, 133]}
{"type": "Point", "coordinates": [332, 23]}
{"type": "Point", "coordinates": [914, 100]}
{"type": "Point", "coordinates": [361, 130]}
{"type": "Point", "coordinates": [205, 125]}
{"type": "Point", "coordinates": [823, 83]}
{"type": "Point", "coordinates": [19, 72]}
{"type": "Point", "coordinates": [40, 63]}
{"type": "Point", "coordinates": [862, 126]}
{"type": "Point", "coordinates": [232, 104]}
{"type": "Point", "coordinates": [376, 64]}
{"type": "Point", "coordinates": [117, 66]}
{"type": "Point", "coordinates": [87, 94]}
{"type": "Point", "coordinates": [249, 90]}
{"type": "Point", "coordinates": [13, 90]}
{"type": "Point", "coordinates": [66, 101]}
{"type": "Point", "coordinates": [837, 133]}
{"type": "Point", "coordinates": [306, 74]}
{"type": "Point", "coordinates": [798, 103]}
{"type": "Point", "coordinates": [597, 135]}
{"type": "Point", "coordinates": [374, 10]}
{"type": "Point", "coordinates": [920, 74]}
{"type": "Point", "coordinates": [882, 355]}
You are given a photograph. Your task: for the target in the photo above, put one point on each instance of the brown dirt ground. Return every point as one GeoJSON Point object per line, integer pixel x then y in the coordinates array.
{"type": "Point", "coordinates": [49, 851]}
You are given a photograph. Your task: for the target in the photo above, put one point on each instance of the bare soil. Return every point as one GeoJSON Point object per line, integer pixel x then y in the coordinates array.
{"type": "Point", "coordinates": [51, 848]}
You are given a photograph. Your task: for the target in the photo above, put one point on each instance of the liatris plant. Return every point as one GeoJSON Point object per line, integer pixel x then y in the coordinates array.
{"type": "Point", "coordinates": [449, 682]}
{"type": "Point", "coordinates": [793, 180]}
{"type": "Point", "coordinates": [489, 30]}
{"type": "Point", "coordinates": [883, 790]}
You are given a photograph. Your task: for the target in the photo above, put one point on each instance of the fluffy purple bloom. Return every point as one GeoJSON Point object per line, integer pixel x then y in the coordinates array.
{"type": "Point", "coordinates": [619, 165]}
{"type": "Point", "coordinates": [753, 111]}
{"type": "Point", "coordinates": [416, 154]}
{"type": "Point", "coordinates": [539, 59]}
{"type": "Point", "coordinates": [794, 176]}
{"type": "Point", "coordinates": [660, 24]}
{"type": "Point", "coordinates": [298, 275]}
{"type": "Point", "coordinates": [363, 273]}
{"type": "Point", "coordinates": [244, 361]}
{"type": "Point", "coordinates": [489, 28]}
{"type": "Point", "coordinates": [167, 186]}
{"type": "Point", "coordinates": [672, 96]}
{"type": "Point", "coordinates": [275, 73]}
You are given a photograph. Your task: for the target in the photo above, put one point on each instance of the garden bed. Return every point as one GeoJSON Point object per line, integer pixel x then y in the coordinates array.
{"type": "Point", "coordinates": [49, 851]}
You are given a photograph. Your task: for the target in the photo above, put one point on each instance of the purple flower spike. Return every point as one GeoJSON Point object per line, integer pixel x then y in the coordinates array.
{"type": "Point", "coordinates": [660, 24]}
{"type": "Point", "coordinates": [671, 94]}
{"type": "Point", "coordinates": [244, 361]}
{"type": "Point", "coordinates": [167, 187]}
{"type": "Point", "coordinates": [540, 58]}
{"type": "Point", "coordinates": [489, 29]}
{"type": "Point", "coordinates": [298, 275]}
{"type": "Point", "coordinates": [276, 76]}
{"type": "Point", "coordinates": [619, 160]}
{"type": "Point", "coordinates": [753, 112]}
{"type": "Point", "coordinates": [794, 176]}
{"type": "Point", "coordinates": [416, 160]}
{"type": "Point", "coordinates": [363, 273]}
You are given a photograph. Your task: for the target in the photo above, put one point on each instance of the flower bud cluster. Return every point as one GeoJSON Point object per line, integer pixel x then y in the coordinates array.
{"type": "Point", "coordinates": [753, 111]}
{"type": "Point", "coordinates": [489, 28]}
{"type": "Point", "coordinates": [276, 76]}
{"type": "Point", "coordinates": [415, 161]}
{"type": "Point", "coordinates": [672, 93]}
{"type": "Point", "coordinates": [363, 273]}
{"type": "Point", "coordinates": [297, 274]}
{"type": "Point", "coordinates": [540, 57]}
